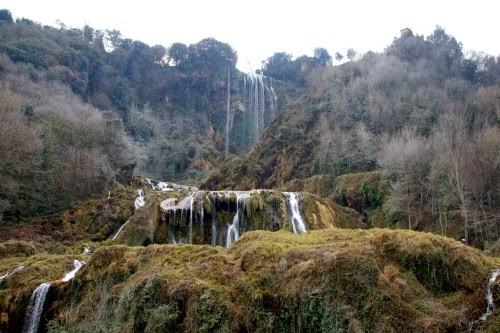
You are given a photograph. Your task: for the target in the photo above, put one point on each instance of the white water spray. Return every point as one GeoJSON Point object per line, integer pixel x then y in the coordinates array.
{"type": "Point", "coordinates": [233, 232]}
{"type": "Point", "coordinates": [12, 271]}
{"type": "Point", "coordinates": [139, 201]}
{"type": "Point", "coordinates": [71, 274]}
{"type": "Point", "coordinates": [119, 230]}
{"type": "Point", "coordinates": [489, 296]}
{"type": "Point", "coordinates": [35, 308]}
{"type": "Point", "coordinates": [298, 223]}
{"type": "Point", "coordinates": [228, 109]}
{"type": "Point", "coordinates": [191, 218]}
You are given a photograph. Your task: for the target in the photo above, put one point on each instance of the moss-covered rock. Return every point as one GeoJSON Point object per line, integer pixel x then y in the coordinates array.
{"type": "Point", "coordinates": [331, 280]}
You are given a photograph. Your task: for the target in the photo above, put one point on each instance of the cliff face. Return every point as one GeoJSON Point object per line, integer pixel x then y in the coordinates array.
{"type": "Point", "coordinates": [327, 280]}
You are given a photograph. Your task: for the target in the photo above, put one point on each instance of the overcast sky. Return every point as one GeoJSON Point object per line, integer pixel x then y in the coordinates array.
{"type": "Point", "coordinates": [259, 28]}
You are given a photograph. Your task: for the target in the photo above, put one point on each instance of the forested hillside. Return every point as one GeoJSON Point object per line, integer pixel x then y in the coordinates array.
{"type": "Point", "coordinates": [310, 172]}
{"type": "Point", "coordinates": [111, 106]}
{"type": "Point", "coordinates": [423, 113]}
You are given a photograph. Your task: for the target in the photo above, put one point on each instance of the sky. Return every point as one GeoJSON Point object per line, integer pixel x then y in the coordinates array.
{"type": "Point", "coordinates": [259, 28]}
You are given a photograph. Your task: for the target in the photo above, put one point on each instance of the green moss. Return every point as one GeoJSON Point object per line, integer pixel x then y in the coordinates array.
{"type": "Point", "coordinates": [331, 280]}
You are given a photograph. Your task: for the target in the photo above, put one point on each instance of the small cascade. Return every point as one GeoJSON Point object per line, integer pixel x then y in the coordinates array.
{"type": "Point", "coordinates": [298, 223]}
{"type": "Point", "coordinates": [233, 232]}
{"type": "Point", "coordinates": [35, 308]}
{"type": "Point", "coordinates": [71, 274]}
{"type": "Point", "coordinates": [213, 228]}
{"type": "Point", "coordinates": [119, 230]}
{"type": "Point", "coordinates": [167, 186]}
{"type": "Point", "coordinates": [87, 250]}
{"type": "Point", "coordinates": [139, 201]}
{"type": "Point", "coordinates": [489, 296]}
{"type": "Point", "coordinates": [191, 218]}
{"type": "Point", "coordinates": [12, 271]}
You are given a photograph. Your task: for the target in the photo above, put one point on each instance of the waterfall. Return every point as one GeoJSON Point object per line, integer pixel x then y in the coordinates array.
{"type": "Point", "coordinates": [12, 271]}
{"type": "Point", "coordinates": [233, 232]}
{"type": "Point", "coordinates": [214, 221]}
{"type": "Point", "coordinates": [35, 308]}
{"type": "Point", "coordinates": [298, 223]}
{"type": "Point", "coordinates": [139, 201]}
{"type": "Point", "coordinates": [260, 103]}
{"type": "Point", "coordinates": [119, 230]}
{"type": "Point", "coordinates": [489, 296]}
{"type": "Point", "coordinates": [71, 274]}
{"type": "Point", "coordinates": [191, 219]}
{"type": "Point", "coordinates": [228, 108]}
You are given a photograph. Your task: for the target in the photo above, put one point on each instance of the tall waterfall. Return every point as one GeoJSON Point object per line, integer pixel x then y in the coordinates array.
{"type": "Point", "coordinates": [229, 119]}
{"type": "Point", "coordinates": [35, 308]}
{"type": "Point", "coordinates": [298, 223]}
{"type": "Point", "coordinates": [257, 105]}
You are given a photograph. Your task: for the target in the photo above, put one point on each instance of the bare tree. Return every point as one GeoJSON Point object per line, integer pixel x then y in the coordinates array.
{"type": "Point", "coordinates": [407, 156]}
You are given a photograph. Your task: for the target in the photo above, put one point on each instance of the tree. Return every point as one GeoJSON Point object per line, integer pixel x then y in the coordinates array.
{"type": "Point", "coordinates": [6, 16]}
{"type": "Point", "coordinates": [446, 52]}
{"type": "Point", "coordinates": [452, 165]}
{"type": "Point", "coordinates": [177, 53]}
{"type": "Point", "coordinates": [210, 54]}
{"type": "Point", "coordinates": [351, 54]}
{"type": "Point", "coordinates": [406, 157]}
{"type": "Point", "coordinates": [322, 56]}
{"type": "Point", "coordinates": [338, 56]}
{"type": "Point", "coordinates": [18, 144]}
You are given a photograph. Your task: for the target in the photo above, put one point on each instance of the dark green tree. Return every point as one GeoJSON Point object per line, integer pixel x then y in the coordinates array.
{"type": "Point", "coordinates": [177, 53]}
{"type": "Point", "coordinates": [322, 56]}
{"type": "Point", "coordinates": [6, 16]}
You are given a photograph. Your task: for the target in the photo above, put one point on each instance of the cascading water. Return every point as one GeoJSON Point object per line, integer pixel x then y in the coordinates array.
{"type": "Point", "coordinates": [489, 296]}
{"type": "Point", "coordinates": [260, 104]}
{"type": "Point", "coordinates": [119, 230]}
{"type": "Point", "coordinates": [191, 218]}
{"type": "Point", "coordinates": [229, 119]}
{"type": "Point", "coordinates": [213, 228]}
{"type": "Point", "coordinates": [298, 223]}
{"type": "Point", "coordinates": [139, 201]}
{"type": "Point", "coordinates": [233, 232]}
{"type": "Point", "coordinates": [35, 308]}
{"type": "Point", "coordinates": [12, 271]}
{"type": "Point", "coordinates": [71, 274]}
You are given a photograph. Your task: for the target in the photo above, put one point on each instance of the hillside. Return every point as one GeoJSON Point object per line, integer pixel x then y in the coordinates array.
{"type": "Point", "coordinates": [416, 115]}
{"type": "Point", "coordinates": [356, 197]}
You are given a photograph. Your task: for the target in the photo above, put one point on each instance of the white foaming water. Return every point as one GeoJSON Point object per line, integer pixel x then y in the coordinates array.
{"type": "Point", "coordinates": [35, 308]}
{"type": "Point", "coordinates": [298, 223]}
{"type": "Point", "coordinates": [139, 201]}
{"type": "Point", "coordinates": [213, 228]}
{"type": "Point", "coordinates": [71, 274]}
{"type": "Point", "coordinates": [233, 230]}
{"type": "Point", "coordinates": [12, 271]}
{"type": "Point", "coordinates": [191, 218]}
{"type": "Point", "coordinates": [119, 230]}
{"type": "Point", "coordinates": [489, 296]}
{"type": "Point", "coordinates": [229, 119]}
